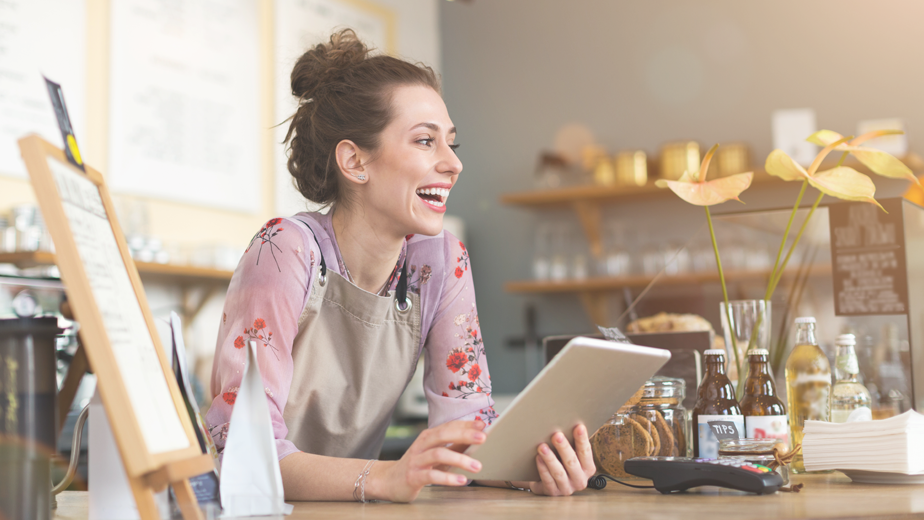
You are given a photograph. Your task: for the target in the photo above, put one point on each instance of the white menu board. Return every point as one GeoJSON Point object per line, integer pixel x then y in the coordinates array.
{"type": "Point", "coordinates": [39, 37]}
{"type": "Point", "coordinates": [301, 24]}
{"type": "Point", "coordinates": [184, 116]}
{"type": "Point", "coordinates": [128, 334]}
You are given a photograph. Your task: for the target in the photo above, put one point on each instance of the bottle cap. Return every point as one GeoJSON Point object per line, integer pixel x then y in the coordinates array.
{"type": "Point", "coordinates": [846, 340]}
{"type": "Point", "coordinates": [758, 352]}
{"type": "Point", "coordinates": [714, 352]}
{"type": "Point", "coordinates": [805, 319]}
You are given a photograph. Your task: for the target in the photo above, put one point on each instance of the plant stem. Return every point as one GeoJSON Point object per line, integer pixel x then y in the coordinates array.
{"type": "Point", "coordinates": [728, 315]}
{"type": "Point", "coordinates": [840, 161]}
{"type": "Point", "coordinates": [779, 254]}
{"type": "Point", "coordinates": [795, 243]}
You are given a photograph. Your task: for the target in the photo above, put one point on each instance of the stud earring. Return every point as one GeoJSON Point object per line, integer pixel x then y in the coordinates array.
{"type": "Point", "coordinates": [361, 177]}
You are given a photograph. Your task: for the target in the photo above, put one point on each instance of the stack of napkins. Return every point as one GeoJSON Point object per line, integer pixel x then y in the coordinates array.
{"type": "Point", "coordinates": [893, 445]}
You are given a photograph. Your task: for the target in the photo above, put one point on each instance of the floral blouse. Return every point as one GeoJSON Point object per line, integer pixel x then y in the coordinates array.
{"type": "Point", "coordinates": [271, 286]}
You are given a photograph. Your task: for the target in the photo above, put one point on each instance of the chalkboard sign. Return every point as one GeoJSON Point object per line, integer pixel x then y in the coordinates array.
{"type": "Point", "coordinates": [868, 258]}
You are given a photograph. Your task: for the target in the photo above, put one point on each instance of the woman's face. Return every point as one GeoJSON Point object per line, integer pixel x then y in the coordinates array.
{"type": "Point", "coordinates": [416, 166]}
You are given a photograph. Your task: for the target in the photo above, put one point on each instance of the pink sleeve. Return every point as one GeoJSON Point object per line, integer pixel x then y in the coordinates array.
{"type": "Point", "coordinates": [456, 380]}
{"type": "Point", "coordinates": [265, 299]}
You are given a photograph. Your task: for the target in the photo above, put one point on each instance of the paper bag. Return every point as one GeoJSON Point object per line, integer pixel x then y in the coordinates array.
{"type": "Point", "coordinates": [251, 483]}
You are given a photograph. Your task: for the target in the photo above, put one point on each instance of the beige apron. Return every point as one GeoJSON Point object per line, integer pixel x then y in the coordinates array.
{"type": "Point", "coordinates": [354, 355]}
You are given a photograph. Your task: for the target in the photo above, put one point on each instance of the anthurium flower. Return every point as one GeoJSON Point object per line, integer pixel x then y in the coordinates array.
{"type": "Point", "coordinates": [694, 188]}
{"type": "Point", "coordinates": [879, 162]}
{"type": "Point", "coordinates": [841, 182]}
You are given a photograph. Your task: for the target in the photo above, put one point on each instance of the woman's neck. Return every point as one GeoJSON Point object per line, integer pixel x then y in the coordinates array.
{"type": "Point", "coordinates": [369, 253]}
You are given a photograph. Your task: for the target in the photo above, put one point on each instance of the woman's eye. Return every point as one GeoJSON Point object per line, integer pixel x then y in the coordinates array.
{"type": "Point", "coordinates": [454, 147]}
{"type": "Point", "coordinates": [426, 142]}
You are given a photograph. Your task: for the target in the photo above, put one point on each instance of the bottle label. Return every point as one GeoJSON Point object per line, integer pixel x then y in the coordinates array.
{"type": "Point", "coordinates": [768, 427]}
{"type": "Point", "coordinates": [708, 443]}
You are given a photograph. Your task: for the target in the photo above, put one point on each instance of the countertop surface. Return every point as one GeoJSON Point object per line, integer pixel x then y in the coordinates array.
{"type": "Point", "coordinates": [824, 496]}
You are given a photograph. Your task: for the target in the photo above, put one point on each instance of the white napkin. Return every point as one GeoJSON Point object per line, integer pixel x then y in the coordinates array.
{"type": "Point", "coordinates": [251, 483]}
{"type": "Point", "coordinates": [894, 445]}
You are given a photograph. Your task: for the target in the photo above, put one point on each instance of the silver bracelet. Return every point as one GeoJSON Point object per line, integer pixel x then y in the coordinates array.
{"type": "Point", "coordinates": [360, 484]}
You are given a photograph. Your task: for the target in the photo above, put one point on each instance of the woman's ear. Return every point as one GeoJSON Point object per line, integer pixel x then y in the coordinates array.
{"type": "Point", "coordinates": [350, 161]}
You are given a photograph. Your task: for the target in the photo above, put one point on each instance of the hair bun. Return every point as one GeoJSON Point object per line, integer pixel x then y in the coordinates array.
{"type": "Point", "coordinates": [326, 61]}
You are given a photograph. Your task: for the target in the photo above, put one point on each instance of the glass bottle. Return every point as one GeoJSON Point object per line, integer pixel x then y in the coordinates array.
{"type": "Point", "coordinates": [715, 401]}
{"type": "Point", "coordinates": [764, 413]}
{"type": "Point", "coordinates": [808, 385]}
{"type": "Point", "coordinates": [850, 400]}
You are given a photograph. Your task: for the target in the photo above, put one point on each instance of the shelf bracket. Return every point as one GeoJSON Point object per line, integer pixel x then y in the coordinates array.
{"type": "Point", "coordinates": [589, 214]}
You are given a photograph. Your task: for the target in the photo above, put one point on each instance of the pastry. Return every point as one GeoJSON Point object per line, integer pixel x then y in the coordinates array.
{"type": "Point", "coordinates": [664, 322]}
{"type": "Point", "coordinates": [666, 433]}
{"type": "Point", "coordinates": [652, 431]}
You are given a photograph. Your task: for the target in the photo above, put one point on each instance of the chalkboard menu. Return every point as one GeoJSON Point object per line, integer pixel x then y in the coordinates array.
{"type": "Point", "coordinates": [868, 258]}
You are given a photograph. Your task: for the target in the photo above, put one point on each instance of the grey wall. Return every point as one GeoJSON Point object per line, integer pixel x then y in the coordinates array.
{"type": "Point", "coordinates": [640, 74]}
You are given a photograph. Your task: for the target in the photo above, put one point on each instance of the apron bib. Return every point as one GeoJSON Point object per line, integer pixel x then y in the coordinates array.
{"type": "Point", "coordinates": [353, 356]}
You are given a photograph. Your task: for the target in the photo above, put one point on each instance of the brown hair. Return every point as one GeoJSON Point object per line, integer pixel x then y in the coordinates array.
{"type": "Point", "coordinates": [344, 93]}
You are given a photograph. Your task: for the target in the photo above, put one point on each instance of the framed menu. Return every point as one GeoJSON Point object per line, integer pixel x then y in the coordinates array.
{"type": "Point", "coordinates": [146, 411]}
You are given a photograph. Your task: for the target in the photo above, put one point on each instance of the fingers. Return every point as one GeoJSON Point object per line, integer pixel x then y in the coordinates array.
{"type": "Point", "coordinates": [545, 476]}
{"type": "Point", "coordinates": [569, 459]}
{"type": "Point", "coordinates": [455, 432]}
{"type": "Point", "coordinates": [584, 452]}
{"type": "Point", "coordinates": [441, 478]}
{"type": "Point", "coordinates": [445, 457]}
{"type": "Point", "coordinates": [560, 480]}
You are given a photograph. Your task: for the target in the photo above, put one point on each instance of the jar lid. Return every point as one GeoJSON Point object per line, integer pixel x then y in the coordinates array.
{"type": "Point", "coordinates": [714, 352]}
{"type": "Point", "coordinates": [804, 319]}
{"type": "Point", "coordinates": [846, 340]}
{"type": "Point", "coordinates": [662, 386]}
{"type": "Point", "coordinates": [758, 352]}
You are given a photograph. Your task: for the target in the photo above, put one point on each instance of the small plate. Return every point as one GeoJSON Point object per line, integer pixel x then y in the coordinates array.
{"type": "Point", "coordinates": [881, 477]}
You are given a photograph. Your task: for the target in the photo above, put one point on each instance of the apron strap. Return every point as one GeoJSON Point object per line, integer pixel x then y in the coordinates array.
{"type": "Point", "coordinates": [320, 252]}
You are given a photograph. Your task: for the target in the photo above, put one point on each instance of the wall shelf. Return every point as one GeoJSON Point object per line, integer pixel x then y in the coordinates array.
{"type": "Point", "coordinates": [187, 278]}
{"type": "Point", "coordinates": [168, 273]}
{"type": "Point", "coordinates": [592, 291]}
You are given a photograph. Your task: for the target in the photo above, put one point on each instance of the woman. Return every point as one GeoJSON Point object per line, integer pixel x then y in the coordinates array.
{"type": "Point", "coordinates": [341, 305]}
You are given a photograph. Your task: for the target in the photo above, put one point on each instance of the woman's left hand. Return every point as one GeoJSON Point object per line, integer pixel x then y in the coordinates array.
{"type": "Point", "coordinates": [569, 474]}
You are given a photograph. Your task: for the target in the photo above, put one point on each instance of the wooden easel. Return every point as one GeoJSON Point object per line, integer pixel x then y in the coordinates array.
{"type": "Point", "coordinates": [118, 348]}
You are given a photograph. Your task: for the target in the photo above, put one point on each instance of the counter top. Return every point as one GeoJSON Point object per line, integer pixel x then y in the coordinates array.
{"type": "Point", "coordinates": [824, 496]}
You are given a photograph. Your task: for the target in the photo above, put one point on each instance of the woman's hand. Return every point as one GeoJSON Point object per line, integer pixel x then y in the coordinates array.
{"type": "Point", "coordinates": [570, 474]}
{"type": "Point", "coordinates": [428, 460]}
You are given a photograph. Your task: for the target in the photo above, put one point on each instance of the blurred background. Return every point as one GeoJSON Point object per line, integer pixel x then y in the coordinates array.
{"type": "Point", "coordinates": [567, 113]}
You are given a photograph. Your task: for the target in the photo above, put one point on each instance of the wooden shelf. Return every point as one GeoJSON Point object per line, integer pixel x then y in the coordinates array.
{"type": "Point", "coordinates": [609, 284]}
{"type": "Point", "coordinates": [180, 274]}
{"type": "Point", "coordinates": [572, 195]}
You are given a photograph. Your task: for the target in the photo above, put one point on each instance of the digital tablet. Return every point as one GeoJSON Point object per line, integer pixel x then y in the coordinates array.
{"type": "Point", "coordinates": [585, 383]}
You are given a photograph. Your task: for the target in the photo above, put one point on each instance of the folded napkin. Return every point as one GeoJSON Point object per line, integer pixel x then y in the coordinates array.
{"type": "Point", "coordinates": [894, 445]}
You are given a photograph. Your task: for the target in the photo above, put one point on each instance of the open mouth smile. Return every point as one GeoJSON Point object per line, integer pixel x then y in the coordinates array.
{"type": "Point", "coordinates": [434, 197]}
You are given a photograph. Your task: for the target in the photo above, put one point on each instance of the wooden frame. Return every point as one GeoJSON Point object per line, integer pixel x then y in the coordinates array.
{"type": "Point", "coordinates": [147, 471]}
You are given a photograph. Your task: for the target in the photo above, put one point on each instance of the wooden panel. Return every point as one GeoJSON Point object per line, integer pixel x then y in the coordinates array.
{"type": "Point", "coordinates": [148, 270]}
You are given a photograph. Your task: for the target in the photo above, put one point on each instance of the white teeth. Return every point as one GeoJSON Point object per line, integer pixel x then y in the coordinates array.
{"type": "Point", "coordinates": [441, 192]}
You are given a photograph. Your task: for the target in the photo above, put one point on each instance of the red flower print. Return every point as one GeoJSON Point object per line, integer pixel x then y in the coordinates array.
{"type": "Point", "coordinates": [445, 394]}
{"type": "Point", "coordinates": [259, 324]}
{"type": "Point", "coordinates": [408, 237]}
{"type": "Point", "coordinates": [459, 272]}
{"type": "Point", "coordinates": [273, 222]}
{"type": "Point", "coordinates": [456, 360]}
{"type": "Point", "coordinates": [477, 388]}
{"type": "Point", "coordinates": [474, 372]}
{"type": "Point", "coordinates": [229, 397]}
{"type": "Point", "coordinates": [461, 245]}
{"type": "Point", "coordinates": [452, 386]}
{"type": "Point", "coordinates": [239, 342]}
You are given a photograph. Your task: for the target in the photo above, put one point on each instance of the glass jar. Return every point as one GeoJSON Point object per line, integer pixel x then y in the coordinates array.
{"type": "Point", "coordinates": [660, 411]}
{"type": "Point", "coordinates": [755, 451]}
{"type": "Point", "coordinates": [652, 423]}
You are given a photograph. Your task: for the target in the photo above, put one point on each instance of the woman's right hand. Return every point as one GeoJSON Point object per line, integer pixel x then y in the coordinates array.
{"type": "Point", "coordinates": [427, 462]}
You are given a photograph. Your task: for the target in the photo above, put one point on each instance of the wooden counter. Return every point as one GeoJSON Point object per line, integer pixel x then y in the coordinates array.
{"type": "Point", "coordinates": [825, 496]}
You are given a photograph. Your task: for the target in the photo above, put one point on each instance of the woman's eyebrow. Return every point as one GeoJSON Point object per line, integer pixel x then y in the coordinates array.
{"type": "Point", "coordinates": [432, 126]}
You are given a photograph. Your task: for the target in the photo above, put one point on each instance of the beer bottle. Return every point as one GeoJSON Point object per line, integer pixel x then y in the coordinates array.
{"type": "Point", "coordinates": [808, 385]}
{"type": "Point", "coordinates": [715, 401]}
{"type": "Point", "coordinates": [764, 413]}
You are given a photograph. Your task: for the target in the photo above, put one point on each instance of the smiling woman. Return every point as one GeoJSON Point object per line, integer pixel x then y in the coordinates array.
{"type": "Point", "coordinates": [337, 346]}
